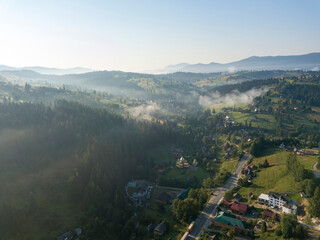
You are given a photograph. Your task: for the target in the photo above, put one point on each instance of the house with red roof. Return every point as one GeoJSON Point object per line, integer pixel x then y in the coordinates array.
{"type": "Point", "coordinates": [240, 208]}
{"type": "Point", "coordinates": [269, 214]}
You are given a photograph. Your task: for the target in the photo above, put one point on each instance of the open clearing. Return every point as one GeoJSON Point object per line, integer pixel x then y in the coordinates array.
{"type": "Point", "coordinates": [276, 177]}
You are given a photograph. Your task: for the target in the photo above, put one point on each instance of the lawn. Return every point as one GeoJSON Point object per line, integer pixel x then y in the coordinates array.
{"type": "Point", "coordinates": [199, 174]}
{"type": "Point", "coordinates": [295, 197]}
{"type": "Point", "coordinates": [276, 177]}
{"type": "Point", "coordinates": [228, 166]}
{"type": "Point", "coordinates": [184, 174]}
{"type": "Point", "coordinates": [308, 161]}
{"type": "Point", "coordinates": [264, 121]}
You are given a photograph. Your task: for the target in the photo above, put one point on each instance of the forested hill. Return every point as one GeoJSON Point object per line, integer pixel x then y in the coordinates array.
{"type": "Point", "coordinates": [138, 85]}
{"type": "Point", "coordinates": [70, 163]}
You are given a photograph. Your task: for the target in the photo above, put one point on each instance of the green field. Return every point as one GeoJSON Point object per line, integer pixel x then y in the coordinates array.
{"type": "Point", "coordinates": [184, 174]}
{"type": "Point", "coordinates": [276, 177]}
{"type": "Point", "coordinates": [263, 121]}
{"type": "Point", "coordinates": [226, 166]}
{"type": "Point", "coordinates": [308, 161]}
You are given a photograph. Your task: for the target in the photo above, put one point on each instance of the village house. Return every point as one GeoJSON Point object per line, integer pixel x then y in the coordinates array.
{"type": "Point", "coordinates": [195, 162]}
{"type": "Point", "coordinates": [277, 200]}
{"type": "Point", "coordinates": [228, 220]}
{"type": "Point", "coordinates": [267, 214]}
{"type": "Point", "coordinates": [184, 194]}
{"type": "Point", "coordinates": [160, 229]}
{"type": "Point", "coordinates": [248, 169]}
{"type": "Point", "coordinates": [182, 163]}
{"type": "Point", "coordinates": [239, 208]}
{"type": "Point", "coordinates": [141, 193]}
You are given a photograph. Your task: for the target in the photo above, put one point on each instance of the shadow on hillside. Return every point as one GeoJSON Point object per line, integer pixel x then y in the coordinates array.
{"type": "Point", "coordinates": [253, 185]}
{"type": "Point", "coordinates": [267, 152]}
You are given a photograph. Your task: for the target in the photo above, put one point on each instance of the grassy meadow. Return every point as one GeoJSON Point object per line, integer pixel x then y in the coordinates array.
{"type": "Point", "coordinates": [276, 177]}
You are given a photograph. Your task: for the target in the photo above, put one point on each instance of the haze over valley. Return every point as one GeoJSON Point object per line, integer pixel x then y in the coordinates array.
{"type": "Point", "coordinates": [162, 120]}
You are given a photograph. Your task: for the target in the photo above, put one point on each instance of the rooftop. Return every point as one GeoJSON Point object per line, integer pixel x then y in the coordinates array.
{"type": "Point", "coordinates": [239, 207]}
{"type": "Point", "coordinates": [279, 195]}
{"type": "Point", "coordinates": [229, 219]}
{"type": "Point", "coordinates": [264, 197]}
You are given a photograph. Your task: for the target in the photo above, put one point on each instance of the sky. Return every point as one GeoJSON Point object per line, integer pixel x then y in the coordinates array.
{"type": "Point", "coordinates": [139, 35]}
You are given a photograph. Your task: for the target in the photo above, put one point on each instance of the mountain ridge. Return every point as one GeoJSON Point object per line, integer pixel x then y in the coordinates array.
{"type": "Point", "coordinates": [47, 70]}
{"type": "Point", "coordinates": [308, 61]}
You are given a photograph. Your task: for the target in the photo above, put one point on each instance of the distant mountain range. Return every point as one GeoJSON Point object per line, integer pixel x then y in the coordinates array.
{"type": "Point", "coordinates": [49, 71]}
{"type": "Point", "coordinates": [309, 61]}
{"type": "Point", "coordinates": [293, 62]}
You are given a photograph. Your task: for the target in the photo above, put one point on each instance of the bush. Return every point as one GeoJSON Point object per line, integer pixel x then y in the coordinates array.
{"type": "Point", "coordinates": [278, 232]}
{"type": "Point", "coordinates": [228, 195]}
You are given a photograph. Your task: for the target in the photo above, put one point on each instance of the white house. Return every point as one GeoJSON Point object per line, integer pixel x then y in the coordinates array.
{"type": "Point", "coordinates": [277, 200]}
{"type": "Point", "coordinates": [263, 198]}
{"type": "Point", "coordinates": [289, 209]}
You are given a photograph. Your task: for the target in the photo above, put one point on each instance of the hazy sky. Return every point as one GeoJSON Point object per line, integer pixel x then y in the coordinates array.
{"type": "Point", "coordinates": [141, 35]}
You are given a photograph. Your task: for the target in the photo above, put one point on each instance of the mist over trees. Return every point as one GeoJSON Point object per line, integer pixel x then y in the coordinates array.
{"type": "Point", "coordinates": [81, 158]}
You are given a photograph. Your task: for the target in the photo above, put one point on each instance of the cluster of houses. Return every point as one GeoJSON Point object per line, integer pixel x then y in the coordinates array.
{"type": "Point", "coordinates": [248, 171]}
{"type": "Point", "coordinates": [228, 150]}
{"type": "Point", "coordinates": [183, 163]}
{"type": "Point", "coordinates": [234, 218]}
{"type": "Point", "coordinates": [228, 122]}
{"type": "Point", "coordinates": [279, 201]}
{"type": "Point", "coordinates": [305, 152]}
{"type": "Point", "coordinates": [315, 151]}
{"type": "Point", "coordinates": [141, 191]}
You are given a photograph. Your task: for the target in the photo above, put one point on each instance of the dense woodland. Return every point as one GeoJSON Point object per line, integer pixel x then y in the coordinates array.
{"type": "Point", "coordinates": [105, 150]}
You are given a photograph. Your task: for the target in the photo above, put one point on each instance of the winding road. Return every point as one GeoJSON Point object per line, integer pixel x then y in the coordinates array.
{"type": "Point", "coordinates": [208, 213]}
{"type": "Point", "coordinates": [315, 171]}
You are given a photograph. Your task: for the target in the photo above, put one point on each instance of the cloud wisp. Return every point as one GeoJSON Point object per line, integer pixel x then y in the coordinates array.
{"type": "Point", "coordinates": [143, 112]}
{"type": "Point", "coordinates": [230, 99]}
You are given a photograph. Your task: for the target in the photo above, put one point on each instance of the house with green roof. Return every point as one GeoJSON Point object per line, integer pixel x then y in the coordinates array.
{"type": "Point", "coordinates": [228, 220]}
{"type": "Point", "coordinates": [183, 195]}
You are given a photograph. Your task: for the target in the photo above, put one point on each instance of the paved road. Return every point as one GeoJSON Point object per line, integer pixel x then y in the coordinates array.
{"type": "Point", "coordinates": [315, 171]}
{"type": "Point", "coordinates": [206, 216]}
